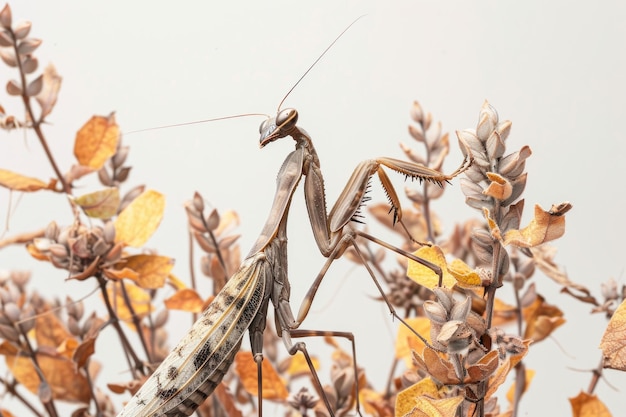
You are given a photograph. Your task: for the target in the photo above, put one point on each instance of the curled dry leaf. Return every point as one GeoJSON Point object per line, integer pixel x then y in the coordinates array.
{"type": "Point", "coordinates": [465, 276]}
{"type": "Point", "coordinates": [544, 227]}
{"type": "Point", "coordinates": [18, 182]}
{"type": "Point", "coordinates": [96, 141]}
{"type": "Point", "coordinates": [613, 343]}
{"type": "Point", "coordinates": [185, 300]}
{"type": "Point", "coordinates": [273, 386]}
{"type": "Point", "coordinates": [530, 374]}
{"type": "Point", "coordinates": [101, 204]}
{"type": "Point", "coordinates": [426, 276]}
{"type": "Point", "coordinates": [138, 221]}
{"type": "Point", "coordinates": [541, 319]}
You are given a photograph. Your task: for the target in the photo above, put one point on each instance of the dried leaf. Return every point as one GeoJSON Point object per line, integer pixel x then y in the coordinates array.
{"type": "Point", "coordinates": [541, 319]}
{"type": "Point", "coordinates": [499, 187]}
{"type": "Point", "coordinates": [84, 351]}
{"type": "Point", "coordinates": [18, 182]}
{"type": "Point", "coordinates": [152, 270]}
{"type": "Point", "coordinates": [47, 98]}
{"type": "Point", "coordinates": [465, 276]}
{"type": "Point", "coordinates": [585, 405]}
{"type": "Point", "coordinates": [406, 341]}
{"type": "Point", "coordinates": [50, 331]}
{"type": "Point", "coordinates": [613, 343]}
{"type": "Point", "coordinates": [66, 384]}
{"type": "Point", "coordinates": [429, 407]}
{"type": "Point", "coordinates": [545, 226]}
{"type": "Point", "coordinates": [426, 276]}
{"type": "Point", "coordinates": [101, 204]}
{"type": "Point", "coordinates": [273, 387]}
{"type": "Point", "coordinates": [185, 300]}
{"type": "Point", "coordinates": [138, 221]}
{"type": "Point", "coordinates": [406, 399]}
{"type": "Point", "coordinates": [299, 366]}
{"type": "Point", "coordinates": [225, 397]}
{"type": "Point", "coordinates": [96, 141]}
{"type": "Point", "coordinates": [139, 298]}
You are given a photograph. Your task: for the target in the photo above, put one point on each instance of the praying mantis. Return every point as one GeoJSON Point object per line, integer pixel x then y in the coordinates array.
{"type": "Point", "coordinates": [198, 363]}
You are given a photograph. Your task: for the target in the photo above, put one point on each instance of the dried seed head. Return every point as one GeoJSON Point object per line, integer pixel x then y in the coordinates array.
{"type": "Point", "coordinates": [303, 401]}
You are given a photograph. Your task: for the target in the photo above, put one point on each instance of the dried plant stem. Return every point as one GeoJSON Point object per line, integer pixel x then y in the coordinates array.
{"type": "Point", "coordinates": [10, 387]}
{"type": "Point", "coordinates": [36, 124]}
{"type": "Point", "coordinates": [47, 402]}
{"type": "Point", "coordinates": [114, 320]}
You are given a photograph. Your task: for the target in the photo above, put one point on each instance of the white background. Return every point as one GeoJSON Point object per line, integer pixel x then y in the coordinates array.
{"type": "Point", "coordinates": [556, 69]}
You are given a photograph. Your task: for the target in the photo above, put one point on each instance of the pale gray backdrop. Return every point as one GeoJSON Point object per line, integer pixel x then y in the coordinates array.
{"type": "Point", "coordinates": [556, 69]}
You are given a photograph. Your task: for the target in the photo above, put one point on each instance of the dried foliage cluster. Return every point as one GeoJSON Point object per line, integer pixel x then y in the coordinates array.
{"type": "Point", "coordinates": [472, 339]}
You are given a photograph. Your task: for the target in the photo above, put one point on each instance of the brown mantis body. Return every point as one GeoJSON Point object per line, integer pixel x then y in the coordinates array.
{"type": "Point", "coordinates": [193, 369]}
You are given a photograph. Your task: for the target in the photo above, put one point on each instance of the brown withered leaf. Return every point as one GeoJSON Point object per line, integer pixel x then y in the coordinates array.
{"type": "Point", "coordinates": [185, 299]}
{"type": "Point", "coordinates": [544, 227]}
{"type": "Point", "coordinates": [424, 275]}
{"type": "Point", "coordinates": [6, 413]}
{"type": "Point", "coordinates": [96, 141]}
{"type": "Point", "coordinates": [429, 407]}
{"type": "Point", "coordinates": [84, 351]}
{"type": "Point", "coordinates": [47, 97]}
{"type": "Point", "coordinates": [17, 182]}
{"type": "Point", "coordinates": [152, 270]}
{"type": "Point", "coordinates": [406, 399]}
{"type": "Point", "coordinates": [273, 386]}
{"type": "Point", "coordinates": [541, 319]}
{"type": "Point", "coordinates": [482, 369]}
{"type": "Point", "coordinates": [375, 403]}
{"type": "Point", "coordinates": [66, 384]}
{"type": "Point", "coordinates": [586, 405]}
{"type": "Point", "coordinates": [613, 343]}
{"type": "Point", "coordinates": [139, 220]}
{"type": "Point", "coordinates": [100, 204]}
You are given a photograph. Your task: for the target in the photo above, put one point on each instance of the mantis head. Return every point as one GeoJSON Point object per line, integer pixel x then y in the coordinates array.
{"type": "Point", "coordinates": [278, 127]}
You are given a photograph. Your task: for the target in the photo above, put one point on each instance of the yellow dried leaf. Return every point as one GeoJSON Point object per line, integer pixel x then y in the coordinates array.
{"type": "Point", "coordinates": [152, 270]}
{"type": "Point", "coordinates": [541, 319]}
{"type": "Point", "coordinates": [406, 399]}
{"type": "Point", "coordinates": [499, 188]}
{"type": "Point", "coordinates": [426, 276]}
{"type": "Point", "coordinates": [428, 407]}
{"type": "Point", "coordinates": [119, 274]}
{"type": "Point", "coordinates": [185, 300]}
{"type": "Point", "coordinates": [465, 276]}
{"type": "Point", "coordinates": [613, 343]}
{"type": "Point", "coordinates": [299, 366]}
{"type": "Point", "coordinates": [65, 382]}
{"type": "Point", "coordinates": [50, 331]}
{"type": "Point", "coordinates": [17, 182]}
{"type": "Point", "coordinates": [273, 387]}
{"type": "Point", "coordinates": [530, 374]}
{"type": "Point", "coordinates": [138, 221]}
{"type": "Point", "coordinates": [585, 405]}
{"type": "Point", "coordinates": [101, 204]}
{"type": "Point", "coordinates": [96, 141]}
{"type": "Point", "coordinates": [406, 341]}
{"type": "Point", "coordinates": [544, 227]}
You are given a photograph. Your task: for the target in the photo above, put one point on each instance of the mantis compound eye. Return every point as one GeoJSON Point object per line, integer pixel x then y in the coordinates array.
{"type": "Point", "coordinates": [287, 118]}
